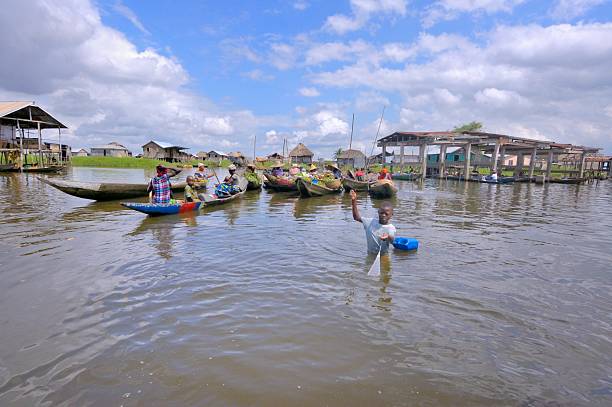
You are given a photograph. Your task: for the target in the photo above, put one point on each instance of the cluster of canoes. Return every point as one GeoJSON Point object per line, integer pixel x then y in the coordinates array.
{"type": "Point", "coordinates": [304, 185]}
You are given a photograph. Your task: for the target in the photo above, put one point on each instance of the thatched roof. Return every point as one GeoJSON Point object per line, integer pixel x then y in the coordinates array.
{"type": "Point", "coordinates": [236, 154]}
{"type": "Point", "coordinates": [301, 151]}
{"type": "Point", "coordinates": [351, 154]}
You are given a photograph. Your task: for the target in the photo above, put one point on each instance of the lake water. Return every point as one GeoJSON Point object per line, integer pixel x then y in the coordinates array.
{"type": "Point", "coordinates": [266, 301]}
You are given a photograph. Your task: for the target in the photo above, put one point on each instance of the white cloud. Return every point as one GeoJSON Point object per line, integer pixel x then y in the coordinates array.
{"type": "Point", "coordinates": [569, 9]}
{"type": "Point", "coordinates": [257, 75]}
{"type": "Point", "coordinates": [95, 80]}
{"type": "Point", "coordinates": [126, 12]}
{"type": "Point", "coordinates": [548, 81]}
{"type": "Point", "coordinates": [451, 9]}
{"type": "Point", "coordinates": [282, 56]}
{"type": "Point", "coordinates": [301, 5]}
{"type": "Point", "coordinates": [363, 10]}
{"type": "Point", "coordinates": [309, 92]}
{"type": "Point", "coordinates": [272, 137]}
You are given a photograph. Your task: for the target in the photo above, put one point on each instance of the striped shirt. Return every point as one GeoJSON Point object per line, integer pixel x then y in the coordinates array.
{"type": "Point", "coordinates": [161, 189]}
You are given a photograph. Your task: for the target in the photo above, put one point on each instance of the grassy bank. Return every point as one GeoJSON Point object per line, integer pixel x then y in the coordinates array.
{"type": "Point", "coordinates": [131, 162]}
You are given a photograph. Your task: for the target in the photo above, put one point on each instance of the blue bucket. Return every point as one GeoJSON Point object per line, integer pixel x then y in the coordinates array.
{"type": "Point", "coordinates": [405, 243]}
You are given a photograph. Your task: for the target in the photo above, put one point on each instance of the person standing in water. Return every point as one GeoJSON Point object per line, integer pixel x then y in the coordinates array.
{"type": "Point", "coordinates": [160, 185]}
{"type": "Point", "coordinates": [379, 232]}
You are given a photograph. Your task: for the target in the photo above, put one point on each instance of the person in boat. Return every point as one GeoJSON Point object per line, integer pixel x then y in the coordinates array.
{"type": "Point", "coordinates": [160, 185]}
{"type": "Point", "coordinates": [360, 174]}
{"type": "Point", "coordinates": [191, 195]}
{"type": "Point", "coordinates": [335, 171]}
{"type": "Point", "coordinates": [202, 173]}
{"type": "Point", "coordinates": [277, 170]}
{"type": "Point", "coordinates": [294, 170]}
{"type": "Point", "coordinates": [232, 179]}
{"type": "Point", "coordinates": [492, 177]}
{"type": "Point", "coordinates": [229, 186]}
{"type": "Point", "coordinates": [312, 171]}
{"type": "Point", "coordinates": [379, 232]}
{"type": "Point", "coordinates": [384, 174]}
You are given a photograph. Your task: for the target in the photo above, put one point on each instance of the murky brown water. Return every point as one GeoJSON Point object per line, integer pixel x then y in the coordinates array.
{"type": "Point", "coordinates": [266, 301]}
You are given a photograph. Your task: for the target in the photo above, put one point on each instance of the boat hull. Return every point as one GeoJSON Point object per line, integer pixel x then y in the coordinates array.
{"type": "Point", "coordinates": [351, 184]}
{"type": "Point", "coordinates": [279, 184]}
{"type": "Point", "coordinates": [163, 209]}
{"type": "Point", "coordinates": [307, 189]}
{"type": "Point", "coordinates": [382, 189]}
{"type": "Point", "coordinates": [404, 176]}
{"type": "Point", "coordinates": [104, 191]}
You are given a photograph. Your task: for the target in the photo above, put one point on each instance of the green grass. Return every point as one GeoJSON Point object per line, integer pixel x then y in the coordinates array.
{"type": "Point", "coordinates": [131, 162]}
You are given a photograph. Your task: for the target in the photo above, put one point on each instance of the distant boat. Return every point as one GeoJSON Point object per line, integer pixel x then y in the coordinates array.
{"type": "Point", "coordinates": [104, 191]}
{"type": "Point", "coordinates": [382, 189]}
{"type": "Point", "coordinates": [406, 176]}
{"type": "Point", "coordinates": [308, 189]}
{"type": "Point", "coordinates": [47, 169]}
{"type": "Point", "coordinates": [279, 184]}
{"type": "Point", "coordinates": [355, 185]}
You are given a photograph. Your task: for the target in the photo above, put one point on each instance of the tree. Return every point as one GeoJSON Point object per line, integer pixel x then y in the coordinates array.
{"type": "Point", "coordinates": [473, 126]}
{"type": "Point", "coordinates": [337, 153]}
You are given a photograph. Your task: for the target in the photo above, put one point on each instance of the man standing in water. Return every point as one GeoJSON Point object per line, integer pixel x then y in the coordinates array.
{"type": "Point", "coordinates": [160, 185]}
{"type": "Point", "coordinates": [379, 232]}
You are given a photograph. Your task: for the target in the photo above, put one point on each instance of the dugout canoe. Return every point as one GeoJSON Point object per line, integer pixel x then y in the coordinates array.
{"type": "Point", "coordinates": [104, 191]}
{"type": "Point", "coordinates": [213, 199]}
{"type": "Point", "coordinates": [47, 169]}
{"type": "Point", "coordinates": [353, 184]}
{"type": "Point", "coordinates": [406, 176]}
{"type": "Point", "coordinates": [308, 189]}
{"type": "Point", "coordinates": [279, 184]}
{"type": "Point", "coordinates": [163, 209]}
{"type": "Point", "coordinates": [383, 188]}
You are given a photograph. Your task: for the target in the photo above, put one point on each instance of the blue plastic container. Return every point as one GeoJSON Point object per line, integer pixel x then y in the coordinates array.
{"type": "Point", "coordinates": [405, 243]}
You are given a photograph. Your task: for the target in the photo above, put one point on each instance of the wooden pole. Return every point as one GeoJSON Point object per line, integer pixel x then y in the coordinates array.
{"type": "Point", "coordinates": [549, 163]}
{"type": "Point", "coordinates": [466, 164]}
{"type": "Point", "coordinates": [582, 163]}
{"type": "Point", "coordinates": [59, 141]}
{"type": "Point", "coordinates": [534, 156]}
{"type": "Point", "coordinates": [377, 133]}
{"type": "Point", "coordinates": [19, 130]}
{"type": "Point", "coordinates": [40, 154]}
{"type": "Point", "coordinates": [423, 160]}
{"type": "Point", "coordinates": [495, 155]}
{"type": "Point", "coordinates": [352, 125]}
{"type": "Point", "coordinates": [442, 161]}
{"type": "Point", "coordinates": [254, 142]}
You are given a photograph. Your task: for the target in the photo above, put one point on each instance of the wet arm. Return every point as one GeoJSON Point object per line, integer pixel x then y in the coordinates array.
{"type": "Point", "coordinates": [173, 171]}
{"type": "Point", "coordinates": [356, 214]}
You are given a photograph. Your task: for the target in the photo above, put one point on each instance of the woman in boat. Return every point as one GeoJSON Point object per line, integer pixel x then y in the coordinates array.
{"type": "Point", "coordinates": [160, 185]}
{"type": "Point", "coordinates": [335, 171]}
{"type": "Point", "coordinates": [294, 170]}
{"type": "Point", "coordinates": [202, 173]}
{"type": "Point", "coordinates": [312, 171]}
{"type": "Point", "coordinates": [277, 171]}
{"type": "Point", "coordinates": [384, 174]}
{"type": "Point", "coordinates": [360, 174]}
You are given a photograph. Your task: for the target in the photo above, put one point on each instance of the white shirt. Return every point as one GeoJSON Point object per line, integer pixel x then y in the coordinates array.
{"type": "Point", "coordinates": [373, 230]}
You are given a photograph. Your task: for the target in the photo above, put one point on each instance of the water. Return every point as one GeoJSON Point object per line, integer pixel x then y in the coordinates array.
{"type": "Point", "coordinates": [266, 301]}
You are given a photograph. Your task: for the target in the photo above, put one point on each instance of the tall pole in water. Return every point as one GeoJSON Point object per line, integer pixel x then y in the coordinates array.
{"type": "Point", "coordinates": [352, 125]}
{"type": "Point", "coordinates": [377, 132]}
{"type": "Point", "coordinates": [254, 142]}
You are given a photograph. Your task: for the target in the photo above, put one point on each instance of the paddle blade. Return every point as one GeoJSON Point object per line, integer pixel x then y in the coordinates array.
{"type": "Point", "coordinates": [375, 268]}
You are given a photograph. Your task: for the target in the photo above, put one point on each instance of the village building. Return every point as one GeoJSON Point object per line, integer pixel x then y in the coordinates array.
{"type": "Point", "coordinates": [202, 155]}
{"type": "Point", "coordinates": [237, 158]}
{"type": "Point", "coordinates": [159, 150]}
{"type": "Point", "coordinates": [275, 157]}
{"type": "Point", "coordinates": [301, 154]}
{"type": "Point", "coordinates": [378, 158]}
{"type": "Point", "coordinates": [351, 158]}
{"type": "Point", "coordinates": [18, 150]}
{"type": "Point", "coordinates": [81, 153]}
{"type": "Point", "coordinates": [217, 156]}
{"type": "Point", "coordinates": [112, 149]}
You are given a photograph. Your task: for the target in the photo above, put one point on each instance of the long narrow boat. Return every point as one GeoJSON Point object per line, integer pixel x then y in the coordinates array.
{"type": "Point", "coordinates": [163, 209]}
{"type": "Point", "coordinates": [405, 176]}
{"type": "Point", "coordinates": [500, 180]}
{"type": "Point", "coordinates": [566, 180]}
{"type": "Point", "coordinates": [279, 184]}
{"type": "Point", "coordinates": [47, 169]}
{"type": "Point", "coordinates": [308, 189]}
{"type": "Point", "coordinates": [382, 189]}
{"type": "Point", "coordinates": [349, 184]}
{"type": "Point", "coordinates": [183, 207]}
{"type": "Point", "coordinates": [104, 191]}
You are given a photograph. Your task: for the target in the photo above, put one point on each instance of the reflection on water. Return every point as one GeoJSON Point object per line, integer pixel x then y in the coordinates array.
{"type": "Point", "coordinates": [266, 300]}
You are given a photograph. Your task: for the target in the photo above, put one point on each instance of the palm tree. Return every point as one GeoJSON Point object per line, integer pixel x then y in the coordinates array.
{"type": "Point", "coordinates": [337, 153]}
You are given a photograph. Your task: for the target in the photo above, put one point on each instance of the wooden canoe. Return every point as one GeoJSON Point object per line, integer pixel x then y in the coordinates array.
{"type": "Point", "coordinates": [48, 169]}
{"type": "Point", "coordinates": [254, 182]}
{"type": "Point", "coordinates": [382, 189]}
{"type": "Point", "coordinates": [308, 189]}
{"type": "Point", "coordinates": [353, 184]}
{"type": "Point", "coordinates": [406, 176]}
{"type": "Point", "coordinates": [104, 191]}
{"type": "Point", "coordinates": [279, 184]}
{"type": "Point", "coordinates": [213, 199]}
{"type": "Point", "coordinates": [163, 209]}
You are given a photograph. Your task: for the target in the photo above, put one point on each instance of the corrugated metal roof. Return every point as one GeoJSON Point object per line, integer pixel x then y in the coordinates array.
{"type": "Point", "coordinates": [109, 146]}
{"type": "Point", "coordinates": [164, 145]}
{"type": "Point", "coordinates": [18, 110]}
{"type": "Point", "coordinates": [218, 153]}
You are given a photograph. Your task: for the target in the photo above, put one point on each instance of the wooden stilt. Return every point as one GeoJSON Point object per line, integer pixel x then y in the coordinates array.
{"type": "Point", "coordinates": [442, 162]}
{"type": "Point", "coordinates": [466, 163]}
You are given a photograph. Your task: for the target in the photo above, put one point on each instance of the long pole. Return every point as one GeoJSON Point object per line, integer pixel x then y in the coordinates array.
{"type": "Point", "coordinates": [254, 142]}
{"type": "Point", "coordinates": [352, 125]}
{"type": "Point", "coordinates": [20, 146]}
{"type": "Point", "coordinates": [59, 140]}
{"type": "Point", "coordinates": [377, 132]}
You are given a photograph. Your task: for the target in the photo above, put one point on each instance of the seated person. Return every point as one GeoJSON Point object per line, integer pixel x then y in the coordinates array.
{"type": "Point", "coordinates": [202, 173]}
{"type": "Point", "coordinates": [277, 171]}
{"type": "Point", "coordinates": [294, 170]}
{"type": "Point", "coordinates": [190, 192]}
{"type": "Point", "coordinates": [384, 174]}
{"type": "Point", "coordinates": [230, 184]}
{"type": "Point", "coordinates": [360, 174]}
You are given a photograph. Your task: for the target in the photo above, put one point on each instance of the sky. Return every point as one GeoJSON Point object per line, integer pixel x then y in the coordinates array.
{"type": "Point", "coordinates": [218, 75]}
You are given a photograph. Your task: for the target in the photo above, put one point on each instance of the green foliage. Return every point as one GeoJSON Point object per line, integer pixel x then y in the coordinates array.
{"type": "Point", "coordinates": [131, 162]}
{"type": "Point", "coordinates": [472, 126]}
{"type": "Point", "coordinates": [337, 153]}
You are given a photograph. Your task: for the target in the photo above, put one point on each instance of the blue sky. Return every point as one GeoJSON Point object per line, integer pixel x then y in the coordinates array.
{"type": "Point", "coordinates": [212, 75]}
